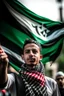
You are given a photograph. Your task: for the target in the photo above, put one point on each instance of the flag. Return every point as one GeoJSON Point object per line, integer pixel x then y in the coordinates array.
{"type": "Point", "coordinates": [18, 23]}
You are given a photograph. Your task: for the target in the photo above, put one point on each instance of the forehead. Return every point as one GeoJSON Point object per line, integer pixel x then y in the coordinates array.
{"type": "Point", "coordinates": [60, 76]}
{"type": "Point", "coordinates": [31, 45]}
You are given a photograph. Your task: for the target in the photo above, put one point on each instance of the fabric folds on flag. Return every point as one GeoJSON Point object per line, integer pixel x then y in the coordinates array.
{"type": "Point", "coordinates": [17, 23]}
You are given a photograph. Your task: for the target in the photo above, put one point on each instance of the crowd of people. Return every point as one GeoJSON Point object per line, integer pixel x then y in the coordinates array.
{"type": "Point", "coordinates": [32, 80]}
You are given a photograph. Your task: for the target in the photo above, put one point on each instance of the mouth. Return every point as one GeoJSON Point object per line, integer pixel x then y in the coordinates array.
{"type": "Point", "coordinates": [32, 60]}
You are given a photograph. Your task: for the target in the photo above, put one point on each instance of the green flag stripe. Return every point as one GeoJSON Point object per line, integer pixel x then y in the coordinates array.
{"type": "Point", "coordinates": [14, 35]}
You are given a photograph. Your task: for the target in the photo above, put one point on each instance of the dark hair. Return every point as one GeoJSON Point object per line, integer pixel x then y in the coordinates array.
{"type": "Point", "coordinates": [28, 41]}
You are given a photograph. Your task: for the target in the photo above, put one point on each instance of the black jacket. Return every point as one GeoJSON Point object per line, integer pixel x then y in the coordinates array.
{"type": "Point", "coordinates": [20, 89]}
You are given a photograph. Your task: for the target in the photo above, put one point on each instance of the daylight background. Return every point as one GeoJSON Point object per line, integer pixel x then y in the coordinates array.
{"type": "Point", "coordinates": [46, 8]}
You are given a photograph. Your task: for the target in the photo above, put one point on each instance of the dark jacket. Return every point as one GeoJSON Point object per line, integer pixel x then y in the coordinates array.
{"type": "Point", "coordinates": [20, 89]}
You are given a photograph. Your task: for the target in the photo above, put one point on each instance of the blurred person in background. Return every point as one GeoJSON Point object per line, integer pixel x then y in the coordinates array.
{"type": "Point", "coordinates": [60, 81]}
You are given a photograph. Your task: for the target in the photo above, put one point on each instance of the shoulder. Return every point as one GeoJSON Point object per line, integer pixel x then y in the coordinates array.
{"type": "Point", "coordinates": [11, 76]}
{"type": "Point", "coordinates": [14, 78]}
{"type": "Point", "coordinates": [11, 79]}
{"type": "Point", "coordinates": [51, 80]}
{"type": "Point", "coordinates": [51, 84]}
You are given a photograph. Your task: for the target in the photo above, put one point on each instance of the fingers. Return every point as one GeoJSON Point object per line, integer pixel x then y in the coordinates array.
{"type": "Point", "coordinates": [1, 49]}
{"type": "Point", "coordinates": [3, 55]}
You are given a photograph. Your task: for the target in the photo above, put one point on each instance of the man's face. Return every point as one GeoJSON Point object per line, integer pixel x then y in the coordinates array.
{"type": "Point", "coordinates": [31, 54]}
{"type": "Point", "coordinates": [60, 81]}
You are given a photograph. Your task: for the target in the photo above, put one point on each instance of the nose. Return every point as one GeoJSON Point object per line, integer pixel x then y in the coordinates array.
{"type": "Point", "coordinates": [31, 53]}
{"type": "Point", "coordinates": [60, 80]}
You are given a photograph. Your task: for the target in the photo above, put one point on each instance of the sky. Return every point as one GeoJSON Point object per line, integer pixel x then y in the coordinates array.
{"type": "Point", "coordinates": [45, 8]}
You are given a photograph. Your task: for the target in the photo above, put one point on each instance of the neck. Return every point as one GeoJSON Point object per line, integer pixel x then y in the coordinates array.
{"type": "Point", "coordinates": [39, 67]}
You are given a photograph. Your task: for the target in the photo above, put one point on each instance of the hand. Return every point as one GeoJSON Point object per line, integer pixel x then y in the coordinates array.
{"type": "Point", "coordinates": [3, 57]}
{"type": "Point", "coordinates": [3, 66]}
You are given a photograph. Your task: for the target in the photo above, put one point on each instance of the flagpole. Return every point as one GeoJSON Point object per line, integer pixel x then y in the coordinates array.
{"type": "Point", "coordinates": [60, 9]}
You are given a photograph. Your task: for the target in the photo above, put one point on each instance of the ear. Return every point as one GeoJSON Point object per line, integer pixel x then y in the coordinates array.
{"type": "Point", "coordinates": [41, 57]}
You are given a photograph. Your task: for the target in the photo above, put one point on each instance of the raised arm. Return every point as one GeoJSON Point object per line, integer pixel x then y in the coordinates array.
{"type": "Point", "coordinates": [3, 66]}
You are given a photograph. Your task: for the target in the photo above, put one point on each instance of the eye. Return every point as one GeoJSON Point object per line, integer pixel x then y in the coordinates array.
{"type": "Point", "coordinates": [27, 51]}
{"type": "Point", "coordinates": [60, 79]}
{"type": "Point", "coordinates": [34, 51]}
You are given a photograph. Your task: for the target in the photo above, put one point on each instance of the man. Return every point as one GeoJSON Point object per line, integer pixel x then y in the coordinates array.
{"type": "Point", "coordinates": [60, 81]}
{"type": "Point", "coordinates": [32, 81]}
